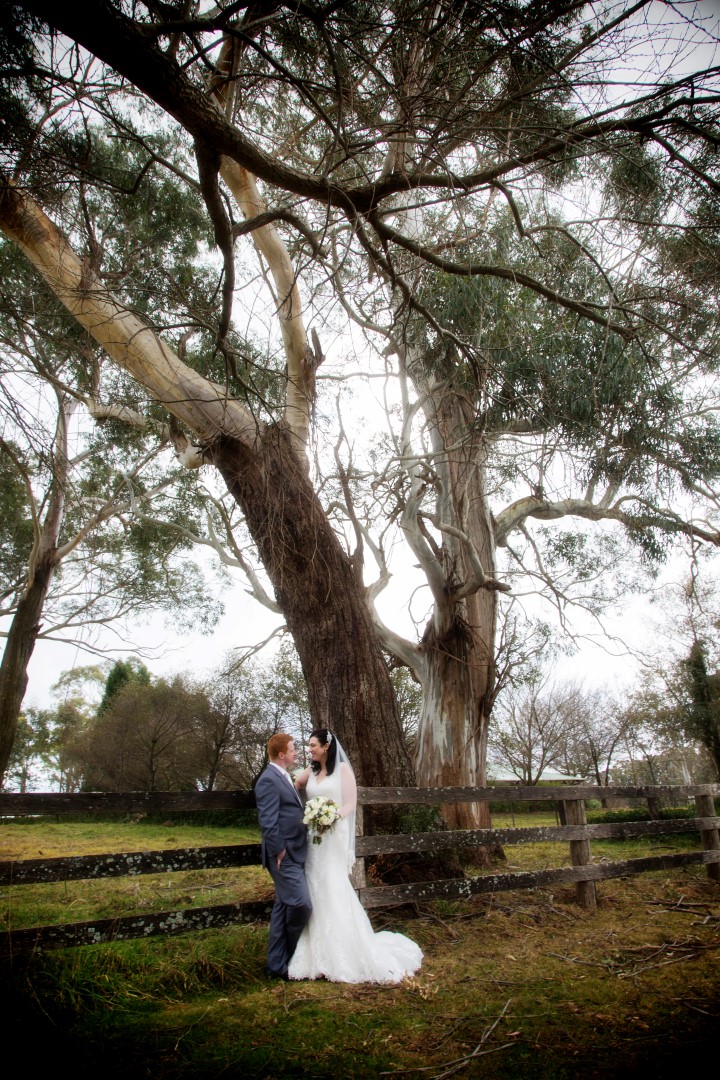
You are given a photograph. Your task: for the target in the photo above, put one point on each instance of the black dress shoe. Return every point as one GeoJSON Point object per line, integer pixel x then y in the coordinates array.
{"type": "Point", "coordinates": [275, 974]}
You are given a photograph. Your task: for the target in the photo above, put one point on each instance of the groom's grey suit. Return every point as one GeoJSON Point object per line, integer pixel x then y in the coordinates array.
{"type": "Point", "coordinates": [280, 812]}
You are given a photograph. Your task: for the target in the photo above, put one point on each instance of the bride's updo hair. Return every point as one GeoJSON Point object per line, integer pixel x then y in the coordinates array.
{"type": "Point", "coordinates": [325, 736]}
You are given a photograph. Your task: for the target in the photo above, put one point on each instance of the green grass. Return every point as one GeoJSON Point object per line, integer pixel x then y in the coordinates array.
{"type": "Point", "coordinates": [78, 901]}
{"type": "Point", "coordinates": [32, 838]}
{"type": "Point", "coordinates": [635, 987]}
{"type": "Point", "coordinates": [591, 994]}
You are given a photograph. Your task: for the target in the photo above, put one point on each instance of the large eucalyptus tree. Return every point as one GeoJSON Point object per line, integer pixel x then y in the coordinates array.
{"type": "Point", "coordinates": [254, 436]}
{"type": "Point", "coordinates": [390, 143]}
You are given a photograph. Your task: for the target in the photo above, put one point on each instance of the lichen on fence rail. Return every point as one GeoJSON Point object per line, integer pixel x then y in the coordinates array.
{"type": "Point", "coordinates": [101, 931]}
{"type": "Point", "coordinates": [577, 833]}
{"type": "Point", "coordinates": [127, 863]}
{"type": "Point", "coordinates": [460, 888]}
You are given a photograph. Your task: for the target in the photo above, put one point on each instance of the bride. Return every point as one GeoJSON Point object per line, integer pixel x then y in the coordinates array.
{"type": "Point", "coordinates": [338, 942]}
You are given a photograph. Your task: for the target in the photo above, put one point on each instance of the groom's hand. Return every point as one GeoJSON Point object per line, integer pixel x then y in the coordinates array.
{"type": "Point", "coordinates": [280, 857]}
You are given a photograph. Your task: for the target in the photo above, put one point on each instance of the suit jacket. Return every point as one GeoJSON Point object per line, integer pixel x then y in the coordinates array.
{"type": "Point", "coordinates": [280, 812]}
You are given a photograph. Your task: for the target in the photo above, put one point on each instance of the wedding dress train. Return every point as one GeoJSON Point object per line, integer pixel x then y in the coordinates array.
{"type": "Point", "coordinates": [339, 942]}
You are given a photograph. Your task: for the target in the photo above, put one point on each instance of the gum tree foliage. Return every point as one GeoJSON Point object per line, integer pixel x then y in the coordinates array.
{"type": "Point", "coordinates": [522, 221]}
{"type": "Point", "coordinates": [92, 502]}
{"type": "Point", "coordinates": [523, 414]}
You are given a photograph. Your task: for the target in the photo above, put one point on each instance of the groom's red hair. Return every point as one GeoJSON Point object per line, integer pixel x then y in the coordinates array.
{"type": "Point", "coordinates": [278, 744]}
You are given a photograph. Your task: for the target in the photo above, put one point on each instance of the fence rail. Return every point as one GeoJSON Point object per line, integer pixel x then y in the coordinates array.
{"type": "Point", "coordinates": [583, 873]}
{"type": "Point", "coordinates": [127, 863]}
{"type": "Point", "coordinates": [530, 793]}
{"type": "Point", "coordinates": [14, 804]}
{"type": "Point", "coordinates": [452, 889]}
{"type": "Point", "coordinates": [17, 804]}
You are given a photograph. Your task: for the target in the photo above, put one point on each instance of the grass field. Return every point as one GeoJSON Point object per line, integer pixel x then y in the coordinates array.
{"type": "Point", "coordinates": [76, 901]}
{"type": "Point", "coordinates": [516, 985]}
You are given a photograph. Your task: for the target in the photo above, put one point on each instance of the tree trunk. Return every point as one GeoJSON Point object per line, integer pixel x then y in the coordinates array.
{"type": "Point", "coordinates": [453, 727]}
{"type": "Point", "coordinates": [19, 648]}
{"type": "Point", "coordinates": [43, 561]}
{"type": "Point", "coordinates": [323, 602]}
{"type": "Point", "coordinates": [459, 641]}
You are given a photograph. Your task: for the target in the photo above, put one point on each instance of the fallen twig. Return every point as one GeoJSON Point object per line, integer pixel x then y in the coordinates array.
{"type": "Point", "coordinates": [642, 968]}
{"type": "Point", "coordinates": [685, 908]}
{"type": "Point", "coordinates": [434, 918]}
{"type": "Point", "coordinates": [477, 1052]}
{"type": "Point", "coordinates": [689, 1005]}
{"type": "Point", "coordinates": [451, 1067]}
{"type": "Point", "coordinates": [577, 960]}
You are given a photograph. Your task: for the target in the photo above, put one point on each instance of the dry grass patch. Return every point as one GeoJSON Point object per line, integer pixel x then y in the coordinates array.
{"type": "Point", "coordinates": [518, 985]}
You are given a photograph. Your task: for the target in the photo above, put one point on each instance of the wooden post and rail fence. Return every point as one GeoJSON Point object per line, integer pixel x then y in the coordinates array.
{"type": "Point", "coordinates": [582, 872]}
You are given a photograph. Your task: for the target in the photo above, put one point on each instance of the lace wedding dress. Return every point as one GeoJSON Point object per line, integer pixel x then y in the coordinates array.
{"type": "Point", "coordinates": [339, 942]}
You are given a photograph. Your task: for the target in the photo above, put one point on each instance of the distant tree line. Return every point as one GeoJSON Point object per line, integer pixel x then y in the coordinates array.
{"type": "Point", "coordinates": [666, 731]}
{"type": "Point", "coordinates": [160, 734]}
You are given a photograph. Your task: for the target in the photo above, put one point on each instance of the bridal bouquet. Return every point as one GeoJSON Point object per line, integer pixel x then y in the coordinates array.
{"type": "Point", "coordinates": [320, 816]}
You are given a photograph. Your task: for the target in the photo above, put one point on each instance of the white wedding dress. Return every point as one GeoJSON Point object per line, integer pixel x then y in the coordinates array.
{"type": "Point", "coordinates": [339, 942]}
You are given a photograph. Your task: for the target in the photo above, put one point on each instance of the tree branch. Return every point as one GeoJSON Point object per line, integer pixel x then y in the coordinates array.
{"type": "Point", "coordinates": [197, 402]}
{"type": "Point", "coordinates": [503, 272]}
{"type": "Point", "coordinates": [517, 513]}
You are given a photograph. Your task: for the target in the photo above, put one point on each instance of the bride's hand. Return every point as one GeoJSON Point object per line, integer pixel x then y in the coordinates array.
{"type": "Point", "coordinates": [302, 779]}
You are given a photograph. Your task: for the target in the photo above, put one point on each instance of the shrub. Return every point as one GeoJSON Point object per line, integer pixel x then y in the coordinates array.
{"type": "Point", "coordinates": [640, 814]}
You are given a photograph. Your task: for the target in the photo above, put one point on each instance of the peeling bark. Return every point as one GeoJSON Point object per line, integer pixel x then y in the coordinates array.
{"type": "Point", "coordinates": [452, 732]}
{"type": "Point", "coordinates": [459, 642]}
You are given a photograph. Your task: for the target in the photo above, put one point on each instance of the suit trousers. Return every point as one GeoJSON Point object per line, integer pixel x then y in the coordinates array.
{"type": "Point", "coordinates": [291, 910]}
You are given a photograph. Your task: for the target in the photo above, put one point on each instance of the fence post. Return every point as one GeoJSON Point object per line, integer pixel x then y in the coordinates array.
{"type": "Point", "coordinates": [705, 805]}
{"type": "Point", "coordinates": [357, 875]}
{"type": "Point", "coordinates": [580, 854]}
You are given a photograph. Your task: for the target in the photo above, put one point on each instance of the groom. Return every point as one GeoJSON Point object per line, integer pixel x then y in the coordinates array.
{"type": "Point", "coordinates": [284, 847]}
